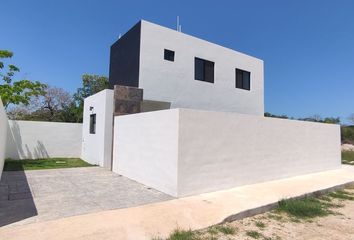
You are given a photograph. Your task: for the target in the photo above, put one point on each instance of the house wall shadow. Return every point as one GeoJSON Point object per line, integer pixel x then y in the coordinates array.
{"type": "Point", "coordinates": [16, 199]}
{"type": "Point", "coordinates": [17, 149]}
{"type": "Point", "coordinates": [14, 148]}
{"type": "Point", "coordinates": [40, 151]}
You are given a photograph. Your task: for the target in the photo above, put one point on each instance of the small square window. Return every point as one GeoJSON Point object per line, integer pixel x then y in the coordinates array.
{"type": "Point", "coordinates": [169, 55]}
{"type": "Point", "coordinates": [243, 79]}
{"type": "Point", "coordinates": [203, 70]}
{"type": "Point", "coordinates": [92, 123]}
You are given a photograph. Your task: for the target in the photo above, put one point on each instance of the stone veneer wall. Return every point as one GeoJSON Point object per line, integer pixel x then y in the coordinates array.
{"type": "Point", "coordinates": [127, 100]}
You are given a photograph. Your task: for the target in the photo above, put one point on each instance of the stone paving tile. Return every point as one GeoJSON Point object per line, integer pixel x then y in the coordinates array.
{"type": "Point", "coordinates": [40, 195]}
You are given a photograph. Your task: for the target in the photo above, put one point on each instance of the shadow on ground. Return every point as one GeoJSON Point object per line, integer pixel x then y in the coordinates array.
{"type": "Point", "coordinates": [16, 200]}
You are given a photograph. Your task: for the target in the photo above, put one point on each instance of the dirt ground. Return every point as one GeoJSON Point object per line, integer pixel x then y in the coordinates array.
{"type": "Point", "coordinates": [275, 225]}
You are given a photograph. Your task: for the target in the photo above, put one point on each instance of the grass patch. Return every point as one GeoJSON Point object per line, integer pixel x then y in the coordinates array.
{"type": "Point", "coordinates": [307, 207]}
{"type": "Point", "coordinates": [227, 230]}
{"type": "Point", "coordinates": [212, 231]}
{"type": "Point", "coordinates": [341, 194]}
{"type": "Point", "coordinates": [260, 224]}
{"type": "Point", "coordinates": [47, 163]}
{"type": "Point", "coordinates": [253, 234]}
{"type": "Point", "coordinates": [325, 198]}
{"type": "Point", "coordinates": [179, 234]}
{"type": "Point", "coordinates": [348, 157]}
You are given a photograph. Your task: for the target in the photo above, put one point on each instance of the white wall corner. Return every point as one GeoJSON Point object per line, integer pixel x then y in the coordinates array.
{"type": "Point", "coordinates": [3, 135]}
{"type": "Point", "coordinates": [146, 148]}
{"type": "Point", "coordinates": [96, 148]}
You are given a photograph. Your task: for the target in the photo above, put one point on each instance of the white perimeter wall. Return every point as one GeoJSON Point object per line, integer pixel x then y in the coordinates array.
{"type": "Point", "coordinates": [146, 148]}
{"type": "Point", "coordinates": [97, 148]}
{"type": "Point", "coordinates": [184, 152]}
{"type": "Point", "coordinates": [32, 139]}
{"type": "Point", "coordinates": [223, 150]}
{"type": "Point", "coordinates": [3, 132]}
{"type": "Point", "coordinates": [174, 82]}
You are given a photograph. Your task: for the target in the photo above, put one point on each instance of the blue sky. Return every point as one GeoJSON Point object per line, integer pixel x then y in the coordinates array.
{"type": "Point", "coordinates": [307, 46]}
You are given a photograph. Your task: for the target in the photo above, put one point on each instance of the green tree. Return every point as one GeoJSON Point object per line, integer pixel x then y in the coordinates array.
{"type": "Point", "coordinates": [91, 84]}
{"type": "Point", "coordinates": [314, 118]}
{"type": "Point", "coordinates": [57, 105]}
{"type": "Point", "coordinates": [267, 114]}
{"type": "Point", "coordinates": [347, 134]}
{"type": "Point", "coordinates": [334, 120]}
{"type": "Point", "coordinates": [16, 92]}
{"type": "Point", "coordinates": [71, 113]}
{"type": "Point", "coordinates": [318, 118]}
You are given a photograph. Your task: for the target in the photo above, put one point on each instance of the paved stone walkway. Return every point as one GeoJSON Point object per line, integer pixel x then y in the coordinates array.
{"type": "Point", "coordinates": [40, 195]}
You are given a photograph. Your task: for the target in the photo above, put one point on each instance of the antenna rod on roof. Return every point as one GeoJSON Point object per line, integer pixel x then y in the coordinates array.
{"type": "Point", "coordinates": [179, 27]}
{"type": "Point", "coordinates": [177, 24]}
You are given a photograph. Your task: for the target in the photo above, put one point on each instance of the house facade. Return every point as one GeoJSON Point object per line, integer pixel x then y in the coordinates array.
{"type": "Point", "coordinates": [185, 116]}
{"type": "Point", "coordinates": [186, 72]}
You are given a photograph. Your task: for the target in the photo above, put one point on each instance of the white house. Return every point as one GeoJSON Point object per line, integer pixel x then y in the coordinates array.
{"type": "Point", "coordinates": [185, 116]}
{"type": "Point", "coordinates": [186, 71]}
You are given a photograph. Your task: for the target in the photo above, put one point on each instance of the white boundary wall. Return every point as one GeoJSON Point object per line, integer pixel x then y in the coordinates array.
{"type": "Point", "coordinates": [146, 148]}
{"type": "Point", "coordinates": [34, 139]}
{"type": "Point", "coordinates": [3, 132]}
{"type": "Point", "coordinates": [185, 152]}
{"type": "Point", "coordinates": [224, 150]}
{"type": "Point", "coordinates": [97, 148]}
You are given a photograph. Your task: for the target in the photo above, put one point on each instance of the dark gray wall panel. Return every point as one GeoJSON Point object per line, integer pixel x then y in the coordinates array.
{"type": "Point", "coordinates": [124, 59]}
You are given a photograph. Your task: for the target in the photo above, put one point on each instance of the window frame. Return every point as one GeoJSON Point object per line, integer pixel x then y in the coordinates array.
{"type": "Point", "coordinates": [169, 55]}
{"type": "Point", "coordinates": [93, 121]}
{"type": "Point", "coordinates": [208, 75]}
{"type": "Point", "coordinates": [240, 84]}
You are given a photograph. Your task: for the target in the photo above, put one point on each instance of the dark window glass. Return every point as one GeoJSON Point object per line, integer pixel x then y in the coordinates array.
{"type": "Point", "coordinates": [199, 69]}
{"type": "Point", "coordinates": [93, 123]}
{"type": "Point", "coordinates": [169, 55]}
{"type": "Point", "coordinates": [243, 79]}
{"type": "Point", "coordinates": [239, 77]}
{"type": "Point", "coordinates": [203, 70]}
